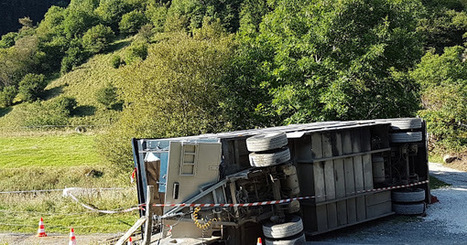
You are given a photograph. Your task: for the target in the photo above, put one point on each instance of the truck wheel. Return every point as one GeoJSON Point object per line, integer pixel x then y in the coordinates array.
{"type": "Point", "coordinates": [409, 208]}
{"type": "Point", "coordinates": [292, 226]}
{"type": "Point", "coordinates": [408, 195]}
{"type": "Point", "coordinates": [269, 158]}
{"type": "Point", "coordinates": [266, 142]}
{"type": "Point", "coordinates": [292, 241]}
{"type": "Point", "coordinates": [405, 123]}
{"type": "Point", "coordinates": [405, 137]}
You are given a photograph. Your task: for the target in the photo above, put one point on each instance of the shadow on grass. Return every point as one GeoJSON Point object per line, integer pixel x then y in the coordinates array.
{"type": "Point", "coordinates": [52, 93]}
{"type": "Point", "coordinates": [4, 111]}
{"type": "Point", "coordinates": [84, 110]}
{"type": "Point", "coordinates": [117, 46]}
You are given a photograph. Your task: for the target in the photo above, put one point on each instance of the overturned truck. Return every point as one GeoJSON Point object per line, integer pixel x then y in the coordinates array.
{"type": "Point", "coordinates": [283, 183]}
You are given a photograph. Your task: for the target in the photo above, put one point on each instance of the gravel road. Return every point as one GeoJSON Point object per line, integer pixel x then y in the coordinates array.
{"type": "Point", "coordinates": [445, 222]}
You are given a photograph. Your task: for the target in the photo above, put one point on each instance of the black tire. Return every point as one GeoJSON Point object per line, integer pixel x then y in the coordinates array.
{"type": "Point", "coordinates": [269, 158]}
{"type": "Point", "coordinates": [266, 142]}
{"type": "Point", "coordinates": [291, 241]}
{"type": "Point", "coordinates": [409, 208]}
{"type": "Point", "coordinates": [405, 123]}
{"type": "Point", "coordinates": [408, 195]}
{"type": "Point", "coordinates": [292, 226]}
{"type": "Point", "coordinates": [406, 137]}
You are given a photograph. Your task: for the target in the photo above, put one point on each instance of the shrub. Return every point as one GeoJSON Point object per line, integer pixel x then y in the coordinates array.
{"type": "Point", "coordinates": [39, 114]}
{"type": "Point", "coordinates": [107, 96]}
{"type": "Point", "coordinates": [63, 105]}
{"type": "Point", "coordinates": [32, 86]}
{"type": "Point", "coordinates": [7, 95]}
{"type": "Point", "coordinates": [444, 97]}
{"type": "Point", "coordinates": [137, 51]}
{"type": "Point", "coordinates": [97, 38]}
{"type": "Point", "coordinates": [74, 56]}
{"type": "Point", "coordinates": [116, 61]}
{"type": "Point", "coordinates": [132, 22]}
{"type": "Point", "coordinates": [8, 40]}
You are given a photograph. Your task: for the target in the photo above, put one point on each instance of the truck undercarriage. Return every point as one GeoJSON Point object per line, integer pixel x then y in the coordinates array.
{"type": "Point", "coordinates": [283, 183]}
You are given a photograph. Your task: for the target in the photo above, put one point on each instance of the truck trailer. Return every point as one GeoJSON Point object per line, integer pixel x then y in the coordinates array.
{"type": "Point", "coordinates": [282, 184]}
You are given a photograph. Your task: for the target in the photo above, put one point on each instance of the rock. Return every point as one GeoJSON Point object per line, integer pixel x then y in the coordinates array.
{"type": "Point", "coordinates": [449, 158]}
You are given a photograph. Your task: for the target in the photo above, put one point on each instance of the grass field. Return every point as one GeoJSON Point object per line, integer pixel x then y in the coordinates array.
{"type": "Point", "coordinates": [55, 161]}
{"type": "Point", "coordinates": [48, 151]}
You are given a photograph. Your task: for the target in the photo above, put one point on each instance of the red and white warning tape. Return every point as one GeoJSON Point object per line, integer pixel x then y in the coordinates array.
{"type": "Point", "coordinates": [252, 204]}
{"type": "Point", "coordinates": [66, 192]}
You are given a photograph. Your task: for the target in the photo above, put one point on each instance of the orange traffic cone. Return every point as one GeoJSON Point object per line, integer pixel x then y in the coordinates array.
{"type": "Point", "coordinates": [41, 230]}
{"type": "Point", "coordinates": [72, 237]}
{"type": "Point", "coordinates": [130, 241]}
{"type": "Point", "coordinates": [259, 242]}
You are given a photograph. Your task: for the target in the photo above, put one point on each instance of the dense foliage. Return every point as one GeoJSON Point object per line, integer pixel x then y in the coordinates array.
{"type": "Point", "coordinates": [192, 66]}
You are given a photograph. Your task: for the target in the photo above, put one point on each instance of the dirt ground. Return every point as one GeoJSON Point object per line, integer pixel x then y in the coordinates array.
{"type": "Point", "coordinates": [460, 164]}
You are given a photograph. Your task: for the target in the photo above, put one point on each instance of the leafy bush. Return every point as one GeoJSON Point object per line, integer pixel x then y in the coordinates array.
{"type": "Point", "coordinates": [39, 114]}
{"type": "Point", "coordinates": [74, 56]}
{"type": "Point", "coordinates": [7, 95]}
{"type": "Point", "coordinates": [132, 22]}
{"type": "Point", "coordinates": [63, 105]}
{"type": "Point", "coordinates": [116, 61]}
{"type": "Point", "coordinates": [31, 87]}
{"type": "Point", "coordinates": [137, 51]}
{"type": "Point", "coordinates": [107, 96]}
{"type": "Point", "coordinates": [157, 15]}
{"type": "Point", "coordinates": [444, 96]}
{"type": "Point", "coordinates": [8, 40]}
{"type": "Point", "coordinates": [97, 38]}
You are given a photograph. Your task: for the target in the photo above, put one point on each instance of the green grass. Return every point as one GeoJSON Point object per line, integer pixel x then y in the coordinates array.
{"type": "Point", "coordinates": [57, 160]}
{"type": "Point", "coordinates": [22, 212]}
{"type": "Point", "coordinates": [48, 151]}
{"type": "Point", "coordinates": [435, 158]}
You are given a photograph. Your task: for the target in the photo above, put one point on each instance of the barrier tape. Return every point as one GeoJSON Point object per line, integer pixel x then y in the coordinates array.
{"type": "Point", "coordinates": [253, 204]}
{"type": "Point", "coordinates": [66, 192]}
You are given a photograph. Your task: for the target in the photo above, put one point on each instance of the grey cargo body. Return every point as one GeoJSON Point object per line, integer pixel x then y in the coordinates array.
{"type": "Point", "coordinates": [338, 164]}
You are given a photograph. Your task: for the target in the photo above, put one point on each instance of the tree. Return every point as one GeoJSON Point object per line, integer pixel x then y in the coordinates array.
{"type": "Point", "coordinates": [110, 12]}
{"type": "Point", "coordinates": [337, 60]}
{"type": "Point", "coordinates": [97, 38]}
{"type": "Point", "coordinates": [132, 22]}
{"type": "Point", "coordinates": [62, 105]}
{"type": "Point", "coordinates": [74, 56]}
{"type": "Point", "coordinates": [107, 96]}
{"type": "Point", "coordinates": [174, 92]}
{"type": "Point", "coordinates": [444, 24]}
{"type": "Point", "coordinates": [77, 21]}
{"type": "Point", "coordinates": [444, 96]}
{"type": "Point", "coordinates": [7, 95]}
{"type": "Point", "coordinates": [31, 87]}
{"type": "Point", "coordinates": [8, 40]}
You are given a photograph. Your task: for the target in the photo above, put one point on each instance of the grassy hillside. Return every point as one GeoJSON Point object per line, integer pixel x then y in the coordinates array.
{"type": "Point", "coordinates": [81, 83]}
